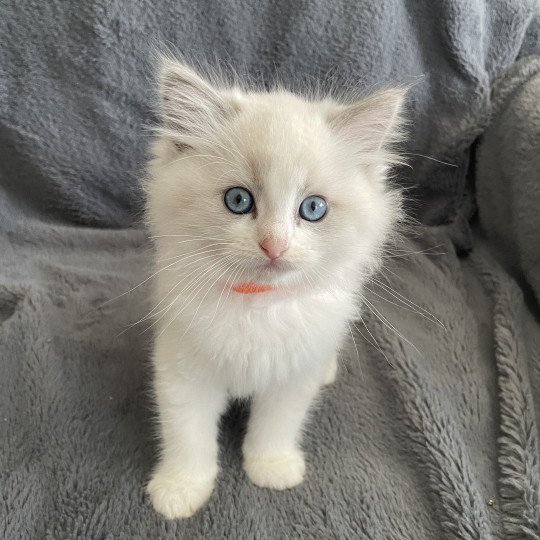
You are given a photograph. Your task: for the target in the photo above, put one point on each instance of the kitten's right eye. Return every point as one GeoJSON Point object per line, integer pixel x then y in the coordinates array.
{"type": "Point", "coordinates": [239, 200]}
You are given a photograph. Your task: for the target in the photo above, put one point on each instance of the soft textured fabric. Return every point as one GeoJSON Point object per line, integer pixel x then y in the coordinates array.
{"type": "Point", "coordinates": [429, 433]}
{"type": "Point", "coordinates": [508, 172]}
{"type": "Point", "coordinates": [508, 197]}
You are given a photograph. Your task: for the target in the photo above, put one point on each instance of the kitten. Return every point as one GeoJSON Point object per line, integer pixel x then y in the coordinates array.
{"type": "Point", "coordinates": [269, 211]}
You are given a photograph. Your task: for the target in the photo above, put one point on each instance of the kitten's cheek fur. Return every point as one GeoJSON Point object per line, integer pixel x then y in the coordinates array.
{"type": "Point", "coordinates": [331, 372]}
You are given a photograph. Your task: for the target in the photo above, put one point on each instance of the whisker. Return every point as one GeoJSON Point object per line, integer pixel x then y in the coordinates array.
{"type": "Point", "coordinates": [225, 286]}
{"type": "Point", "coordinates": [238, 275]}
{"type": "Point", "coordinates": [201, 302]}
{"type": "Point", "coordinates": [184, 277]}
{"type": "Point", "coordinates": [388, 324]}
{"type": "Point", "coordinates": [191, 236]}
{"type": "Point", "coordinates": [390, 253]}
{"type": "Point", "coordinates": [405, 300]}
{"type": "Point", "coordinates": [374, 341]}
{"type": "Point", "coordinates": [199, 283]}
{"type": "Point", "coordinates": [407, 308]}
{"type": "Point", "coordinates": [212, 248]}
{"type": "Point", "coordinates": [430, 158]}
{"type": "Point", "coordinates": [356, 348]}
{"type": "Point", "coordinates": [202, 283]}
{"type": "Point", "coordinates": [137, 286]}
{"type": "Point", "coordinates": [155, 313]}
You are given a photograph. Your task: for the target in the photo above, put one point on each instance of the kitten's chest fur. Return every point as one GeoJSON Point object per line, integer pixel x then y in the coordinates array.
{"type": "Point", "coordinates": [254, 341]}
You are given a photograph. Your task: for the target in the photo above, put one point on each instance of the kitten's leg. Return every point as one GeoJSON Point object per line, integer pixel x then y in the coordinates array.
{"type": "Point", "coordinates": [272, 454]}
{"type": "Point", "coordinates": [189, 412]}
{"type": "Point", "coordinates": [331, 372]}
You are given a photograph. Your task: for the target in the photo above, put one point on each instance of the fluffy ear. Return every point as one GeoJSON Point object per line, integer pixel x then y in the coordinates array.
{"type": "Point", "coordinates": [371, 124]}
{"type": "Point", "coordinates": [189, 106]}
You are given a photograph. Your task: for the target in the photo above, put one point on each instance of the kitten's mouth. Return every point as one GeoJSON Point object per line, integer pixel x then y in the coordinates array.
{"type": "Point", "coordinates": [274, 269]}
{"type": "Point", "coordinates": [266, 278]}
{"type": "Point", "coordinates": [275, 265]}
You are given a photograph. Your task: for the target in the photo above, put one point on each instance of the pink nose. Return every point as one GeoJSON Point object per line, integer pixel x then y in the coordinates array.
{"type": "Point", "coordinates": [274, 248]}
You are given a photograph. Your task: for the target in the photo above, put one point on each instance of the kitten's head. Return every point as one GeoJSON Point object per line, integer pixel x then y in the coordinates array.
{"type": "Point", "coordinates": [270, 187]}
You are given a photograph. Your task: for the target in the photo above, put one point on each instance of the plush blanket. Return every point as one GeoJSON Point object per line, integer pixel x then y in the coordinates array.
{"type": "Point", "coordinates": [432, 427]}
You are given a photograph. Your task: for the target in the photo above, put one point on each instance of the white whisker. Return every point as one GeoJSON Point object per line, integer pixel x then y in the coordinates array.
{"type": "Point", "coordinates": [404, 306]}
{"type": "Point", "coordinates": [406, 301]}
{"type": "Point", "coordinates": [388, 324]}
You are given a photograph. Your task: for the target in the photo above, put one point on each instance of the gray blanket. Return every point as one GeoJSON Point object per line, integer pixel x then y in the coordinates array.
{"type": "Point", "coordinates": [432, 428]}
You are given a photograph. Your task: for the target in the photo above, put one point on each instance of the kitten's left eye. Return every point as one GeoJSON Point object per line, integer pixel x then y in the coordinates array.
{"type": "Point", "coordinates": [239, 200]}
{"type": "Point", "coordinates": [313, 208]}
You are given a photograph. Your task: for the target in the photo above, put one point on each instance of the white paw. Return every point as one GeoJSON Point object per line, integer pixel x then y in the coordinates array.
{"type": "Point", "coordinates": [276, 471]}
{"type": "Point", "coordinates": [177, 496]}
{"type": "Point", "coordinates": [331, 372]}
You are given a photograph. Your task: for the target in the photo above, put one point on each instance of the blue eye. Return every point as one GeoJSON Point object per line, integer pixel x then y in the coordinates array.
{"type": "Point", "coordinates": [313, 208]}
{"type": "Point", "coordinates": [239, 200]}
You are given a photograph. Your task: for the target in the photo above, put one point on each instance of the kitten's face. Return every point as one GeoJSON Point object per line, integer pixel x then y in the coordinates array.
{"type": "Point", "coordinates": [269, 188]}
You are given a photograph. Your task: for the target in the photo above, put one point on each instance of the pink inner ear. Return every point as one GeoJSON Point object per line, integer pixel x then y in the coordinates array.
{"type": "Point", "coordinates": [274, 247]}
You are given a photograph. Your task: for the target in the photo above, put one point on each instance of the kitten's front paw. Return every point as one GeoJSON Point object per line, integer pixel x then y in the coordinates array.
{"type": "Point", "coordinates": [177, 496]}
{"type": "Point", "coordinates": [276, 471]}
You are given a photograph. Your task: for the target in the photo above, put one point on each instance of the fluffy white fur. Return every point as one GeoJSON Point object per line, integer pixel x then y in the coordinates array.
{"type": "Point", "coordinates": [276, 347]}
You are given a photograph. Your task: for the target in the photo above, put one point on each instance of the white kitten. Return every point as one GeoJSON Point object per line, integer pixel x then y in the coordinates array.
{"type": "Point", "coordinates": [269, 211]}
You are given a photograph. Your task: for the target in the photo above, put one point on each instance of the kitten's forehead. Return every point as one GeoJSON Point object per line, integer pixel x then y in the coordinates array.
{"type": "Point", "coordinates": [281, 138]}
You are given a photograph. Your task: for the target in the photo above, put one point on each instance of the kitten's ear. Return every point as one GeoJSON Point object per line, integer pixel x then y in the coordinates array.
{"type": "Point", "coordinates": [189, 106]}
{"type": "Point", "coordinates": [371, 124]}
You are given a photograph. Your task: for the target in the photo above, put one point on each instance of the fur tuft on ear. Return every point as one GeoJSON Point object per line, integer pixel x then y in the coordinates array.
{"type": "Point", "coordinates": [372, 125]}
{"type": "Point", "coordinates": [189, 106]}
